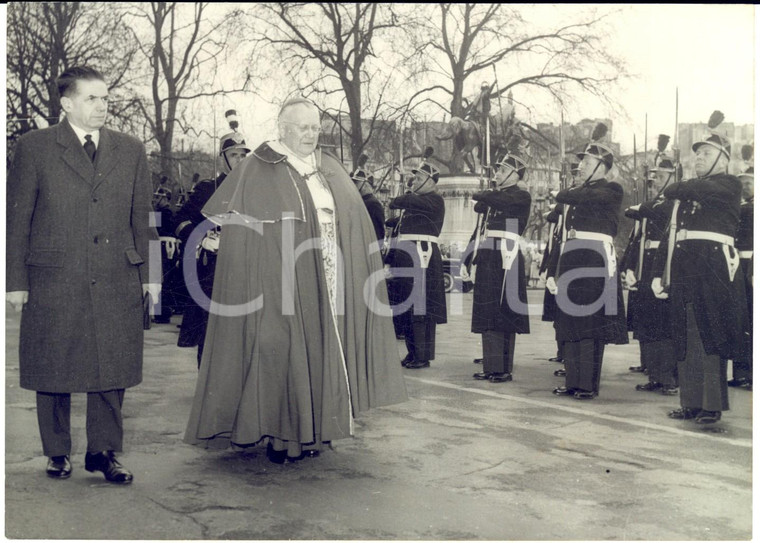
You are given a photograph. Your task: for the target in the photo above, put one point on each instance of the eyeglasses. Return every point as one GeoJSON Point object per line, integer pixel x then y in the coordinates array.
{"type": "Point", "coordinates": [305, 127]}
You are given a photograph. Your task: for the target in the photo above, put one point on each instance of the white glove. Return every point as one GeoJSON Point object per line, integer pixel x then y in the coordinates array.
{"type": "Point", "coordinates": [630, 280]}
{"type": "Point", "coordinates": [387, 271]}
{"type": "Point", "coordinates": [154, 289]}
{"type": "Point", "coordinates": [552, 286]}
{"type": "Point", "coordinates": [17, 299]}
{"type": "Point", "coordinates": [659, 291]}
{"type": "Point", "coordinates": [463, 273]}
{"type": "Point", "coordinates": [211, 242]}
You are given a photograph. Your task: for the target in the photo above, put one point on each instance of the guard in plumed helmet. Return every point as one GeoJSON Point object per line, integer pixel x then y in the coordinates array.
{"type": "Point", "coordinates": [742, 374]}
{"type": "Point", "coordinates": [365, 183]}
{"type": "Point", "coordinates": [556, 222]}
{"type": "Point", "coordinates": [698, 270]}
{"type": "Point", "coordinates": [416, 265]}
{"type": "Point", "coordinates": [499, 306]}
{"type": "Point", "coordinates": [583, 272]}
{"type": "Point", "coordinates": [649, 316]}
{"type": "Point", "coordinates": [232, 150]}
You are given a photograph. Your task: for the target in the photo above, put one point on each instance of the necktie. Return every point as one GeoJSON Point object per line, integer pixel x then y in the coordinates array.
{"type": "Point", "coordinates": [89, 147]}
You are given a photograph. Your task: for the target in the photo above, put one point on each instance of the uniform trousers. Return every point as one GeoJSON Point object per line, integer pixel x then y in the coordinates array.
{"type": "Point", "coordinates": [498, 351]}
{"type": "Point", "coordinates": [583, 364]}
{"type": "Point", "coordinates": [104, 422]}
{"type": "Point", "coordinates": [419, 335]}
{"type": "Point", "coordinates": [659, 357]}
{"type": "Point", "coordinates": [702, 376]}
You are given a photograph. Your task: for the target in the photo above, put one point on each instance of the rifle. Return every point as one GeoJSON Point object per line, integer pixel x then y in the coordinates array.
{"type": "Point", "coordinates": [635, 169]}
{"type": "Point", "coordinates": [674, 214]}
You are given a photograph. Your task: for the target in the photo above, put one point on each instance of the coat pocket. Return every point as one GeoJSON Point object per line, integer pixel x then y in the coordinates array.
{"type": "Point", "coordinates": [133, 256]}
{"type": "Point", "coordinates": [46, 258]}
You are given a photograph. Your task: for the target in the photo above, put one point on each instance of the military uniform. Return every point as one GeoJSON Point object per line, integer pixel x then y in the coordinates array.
{"type": "Point", "coordinates": [499, 309]}
{"type": "Point", "coordinates": [421, 292]}
{"type": "Point", "coordinates": [591, 223]}
{"type": "Point", "coordinates": [377, 214]}
{"type": "Point", "coordinates": [169, 259]}
{"type": "Point", "coordinates": [555, 219]}
{"type": "Point", "coordinates": [706, 290]}
{"type": "Point", "coordinates": [649, 316]}
{"type": "Point", "coordinates": [195, 316]}
{"type": "Point", "coordinates": [744, 244]}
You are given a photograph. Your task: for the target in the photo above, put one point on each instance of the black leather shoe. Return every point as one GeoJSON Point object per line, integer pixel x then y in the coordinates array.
{"type": "Point", "coordinates": [107, 463]}
{"type": "Point", "coordinates": [707, 417]}
{"type": "Point", "coordinates": [739, 382]}
{"type": "Point", "coordinates": [477, 360]}
{"type": "Point", "coordinates": [584, 395]}
{"type": "Point", "coordinates": [277, 457]}
{"type": "Point", "coordinates": [59, 467]}
{"type": "Point", "coordinates": [560, 373]}
{"type": "Point", "coordinates": [408, 358]}
{"type": "Point", "coordinates": [417, 364]}
{"type": "Point", "coordinates": [563, 391]}
{"type": "Point", "coordinates": [651, 386]}
{"type": "Point", "coordinates": [669, 390]}
{"type": "Point", "coordinates": [557, 359]}
{"type": "Point", "coordinates": [499, 377]}
{"type": "Point", "coordinates": [481, 375]}
{"type": "Point", "coordinates": [636, 369]}
{"type": "Point", "coordinates": [684, 413]}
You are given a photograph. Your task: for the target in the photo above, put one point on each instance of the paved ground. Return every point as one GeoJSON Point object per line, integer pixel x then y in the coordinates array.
{"type": "Point", "coordinates": [462, 459]}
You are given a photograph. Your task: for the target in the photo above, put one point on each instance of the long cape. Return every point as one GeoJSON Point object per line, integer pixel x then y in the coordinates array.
{"type": "Point", "coordinates": [288, 369]}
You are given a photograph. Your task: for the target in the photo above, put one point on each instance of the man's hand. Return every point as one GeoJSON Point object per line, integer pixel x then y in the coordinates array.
{"type": "Point", "coordinates": [463, 273]}
{"type": "Point", "coordinates": [387, 271]}
{"type": "Point", "coordinates": [211, 242]}
{"type": "Point", "coordinates": [630, 280]}
{"type": "Point", "coordinates": [551, 285]}
{"type": "Point", "coordinates": [659, 291]}
{"type": "Point", "coordinates": [154, 289]}
{"type": "Point", "coordinates": [17, 299]}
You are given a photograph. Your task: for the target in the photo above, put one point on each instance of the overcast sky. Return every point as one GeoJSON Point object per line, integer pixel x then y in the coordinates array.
{"type": "Point", "coordinates": [707, 51]}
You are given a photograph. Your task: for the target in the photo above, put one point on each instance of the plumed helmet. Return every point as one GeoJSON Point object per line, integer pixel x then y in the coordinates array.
{"type": "Point", "coordinates": [515, 162]}
{"type": "Point", "coordinates": [233, 140]}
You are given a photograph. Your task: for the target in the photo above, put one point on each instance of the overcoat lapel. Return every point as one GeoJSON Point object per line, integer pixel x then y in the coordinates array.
{"type": "Point", "coordinates": [106, 157]}
{"type": "Point", "coordinates": [73, 152]}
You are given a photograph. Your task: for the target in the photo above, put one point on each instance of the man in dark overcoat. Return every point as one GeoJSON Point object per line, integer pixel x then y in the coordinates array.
{"type": "Point", "coordinates": [79, 205]}
{"type": "Point", "coordinates": [583, 274]}
{"type": "Point", "coordinates": [500, 303]}
{"type": "Point", "coordinates": [416, 263]}
{"type": "Point", "coordinates": [650, 316]}
{"type": "Point", "coordinates": [195, 315]}
{"type": "Point", "coordinates": [703, 280]}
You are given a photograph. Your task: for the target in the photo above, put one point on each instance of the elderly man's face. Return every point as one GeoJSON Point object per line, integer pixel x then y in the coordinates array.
{"type": "Point", "coordinates": [705, 158]}
{"type": "Point", "coordinates": [87, 106]}
{"type": "Point", "coordinates": [300, 128]}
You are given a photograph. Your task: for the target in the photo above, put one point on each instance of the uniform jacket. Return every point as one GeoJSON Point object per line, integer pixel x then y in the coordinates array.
{"type": "Point", "coordinates": [499, 305]}
{"type": "Point", "coordinates": [376, 213]}
{"type": "Point", "coordinates": [591, 207]}
{"type": "Point", "coordinates": [78, 241]}
{"type": "Point", "coordinates": [423, 214]}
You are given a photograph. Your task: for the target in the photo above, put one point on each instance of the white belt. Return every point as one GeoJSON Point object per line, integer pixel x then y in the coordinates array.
{"type": "Point", "coordinates": [171, 245]}
{"type": "Point", "coordinates": [597, 236]}
{"type": "Point", "coordinates": [417, 237]}
{"type": "Point", "coordinates": [745, 254]}
{"type": "Point", "coordinates": [503, 234]}
{"type": "Point", "coordinates": [683, 235]}
{"type": "Point", "coordinates": [649, 244]}
{"type": "Point", "coordinates": [580, 234]}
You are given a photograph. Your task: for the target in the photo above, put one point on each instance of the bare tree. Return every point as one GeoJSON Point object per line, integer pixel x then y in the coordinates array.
{"type": "Point", "coordinates": [44, 39]}
{"type": "Point", "coordinates": [462, 41]}
{"type": "Point", "coordinates": [335, 44]}
{"type": "Point", "coordinates": [184, 51]}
